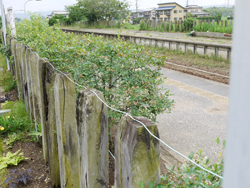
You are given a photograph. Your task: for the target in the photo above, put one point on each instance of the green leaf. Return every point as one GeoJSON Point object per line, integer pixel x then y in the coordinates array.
{"type": "Point", "coordinates": [191, 155]}
{"type": "Point", "coordinates": [151, 185]}
{"type": "Point", "coordinates": [141, 184]}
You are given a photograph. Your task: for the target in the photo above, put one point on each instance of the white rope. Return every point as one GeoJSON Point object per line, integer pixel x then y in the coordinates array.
{"type": "Point", "coordinates": [112, 154]}
{"type": "Point", "coordinates": [138, 122]}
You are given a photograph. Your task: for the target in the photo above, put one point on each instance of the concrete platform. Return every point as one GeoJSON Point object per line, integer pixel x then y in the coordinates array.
{"type": "Point", "coordinates": [199, 115]}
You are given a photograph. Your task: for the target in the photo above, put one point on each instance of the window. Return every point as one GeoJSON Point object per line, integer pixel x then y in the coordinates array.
{"type": "Point", "coordinates": [165, 19]}
{"type": "Point", "coordinates": [180, 18]}
{"type": "Point", "coordinates": [175, 18]}
{"type": "Point", "coordinates": [175, 11]}
{"type": "Point", "coordinates": [185, 11]}
{"type": "Point", "coordinates": [180, 11]}
{"type": "Point", "coordinates": [161, 12]}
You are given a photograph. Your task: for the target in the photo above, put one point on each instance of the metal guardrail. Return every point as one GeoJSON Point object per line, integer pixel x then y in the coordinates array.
{"type": "Point", "coordinates": [161, 42]}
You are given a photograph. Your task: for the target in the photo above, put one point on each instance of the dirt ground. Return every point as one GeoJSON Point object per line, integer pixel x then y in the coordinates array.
{"type": "Point", "coordinates": [40, 171]}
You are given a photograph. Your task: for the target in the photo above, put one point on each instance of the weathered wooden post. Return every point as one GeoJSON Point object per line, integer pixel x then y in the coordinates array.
{"type": "Point", "coordinates": [136, 153]}
{"type": "Point", "coordinates": [29, 84]}
{"type": "Point", "coordinates": [50, 130]}
{"type": "Point", "coordinates": [25, 84]}
{"type": "Point", "coordinates": [170, 23]}
{"type": "Point", "coordinates": [92, 122]}
{"type": "Point", "coordinates": [67, 136]}
{"type": "Point", "coordinates": [35, 88]}
{"type": "Point", "coordinates": [17, 48]}
{"type": "Point", "coordinates": [230, 23]}
{"type": "Point", "coordinates": [225, 23]}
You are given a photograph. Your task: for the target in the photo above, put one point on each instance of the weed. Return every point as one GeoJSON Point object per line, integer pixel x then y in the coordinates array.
{"type": "Point", "coordinates": [21, 117]}
{"type": "Point", "coordinates": [11, 159]}
{"type": "Point", "coordinates": [17, 178]}
{"type": "Point", "coordinates": [6, 80]}
{"type": "Point", "coordinates": [11, 139]}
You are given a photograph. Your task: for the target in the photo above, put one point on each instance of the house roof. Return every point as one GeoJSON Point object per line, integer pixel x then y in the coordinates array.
{"type": "Point", "coordinates": [165, 8]}
{"type": "Point", "coordinates": [59, 12]}
{"type": "Point", "coordinates": [193, 6]}
{"type": "Point", "coordinates": [149, 9]}
{"type": "Point", "coordinates": [170, 3]}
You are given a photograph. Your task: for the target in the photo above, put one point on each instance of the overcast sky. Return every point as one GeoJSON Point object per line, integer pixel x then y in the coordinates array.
{"type": "Point", "coordinates": [48, 5]}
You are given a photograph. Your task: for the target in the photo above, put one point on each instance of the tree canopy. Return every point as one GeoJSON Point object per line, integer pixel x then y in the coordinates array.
{"type": "Point", "coordinates": [96, 10]}
{"type": "Point", "coordinates": [223, 11]}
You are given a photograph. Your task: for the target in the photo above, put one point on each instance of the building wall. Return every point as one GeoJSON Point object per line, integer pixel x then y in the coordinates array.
{"type": "Point", "coordinates": [194, 10]}
{"type": "Point", "coordinates": [173, 15]}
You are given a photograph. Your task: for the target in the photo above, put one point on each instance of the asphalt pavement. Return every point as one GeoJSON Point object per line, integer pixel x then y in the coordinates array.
{"type": "Point", "coordinates": [198, 117]}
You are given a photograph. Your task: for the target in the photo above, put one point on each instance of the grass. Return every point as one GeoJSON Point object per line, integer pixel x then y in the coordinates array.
{"type": "Point", "coordinates": [196, 60]}
{"type": "Point", "coordinates": [6, 80]}
{"type": "Point", "coordinates": [18, 110]}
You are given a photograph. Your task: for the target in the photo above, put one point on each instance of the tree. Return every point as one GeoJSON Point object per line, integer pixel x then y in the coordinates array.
{"type": "Point", "coordinates": [75, 13]}
{"type": "Point", "coordinates": [95, 10]}
{"type": "Point", "coordinates": [57, 19]}
{"type": "Point", "coordinates": [189, 15]}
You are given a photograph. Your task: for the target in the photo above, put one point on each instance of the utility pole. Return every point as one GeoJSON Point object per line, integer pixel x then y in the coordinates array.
{"type": "Point", "coordinates": [136, 4]}
{"type": "Point", "coordinates": [187, 2]}
{"type": "Point", "coordinates": [4, 29]}
{"type": "Point", "coordinates": [12, 21]}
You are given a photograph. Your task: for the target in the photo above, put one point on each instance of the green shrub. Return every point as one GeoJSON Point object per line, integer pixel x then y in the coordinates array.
{"type": "Point", "coordinates": [119, 69]}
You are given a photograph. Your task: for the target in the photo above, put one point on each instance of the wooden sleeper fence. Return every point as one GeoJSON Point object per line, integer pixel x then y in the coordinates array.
{"type": "Point", "coordinates": [75, 129]}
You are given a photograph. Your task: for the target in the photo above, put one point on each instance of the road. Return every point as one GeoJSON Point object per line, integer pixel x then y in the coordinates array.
{"type": "Point", "coordinates": [199, 116]}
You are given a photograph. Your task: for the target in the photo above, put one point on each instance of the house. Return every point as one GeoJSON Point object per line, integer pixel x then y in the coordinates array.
{"type": "Point", "coordinates": [169, 12]}
{"type": "Point", "coordinates": [195, 10]}
{"type": "Point", "coordinates": [149, 14]}
{"type": "Point", "coordinates": [137, 14]}
{"type": "Point", "coordinates": [57, 12]}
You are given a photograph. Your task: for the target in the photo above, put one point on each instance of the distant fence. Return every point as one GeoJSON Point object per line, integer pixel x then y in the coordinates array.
{"type": "Point", "coordinates": [75, 129]}
{"type": "Point", "coordinates": [202, 48]}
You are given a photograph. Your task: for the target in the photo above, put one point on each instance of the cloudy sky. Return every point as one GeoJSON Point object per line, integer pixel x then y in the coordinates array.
{"type": "Point", "coordinates": [48, 5]}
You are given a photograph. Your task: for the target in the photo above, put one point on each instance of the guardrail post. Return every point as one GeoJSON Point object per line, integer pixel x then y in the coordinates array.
{"type": "Point", "coordinates": [185, 47]}
{"type": "Point", "coordinates": [228, 54]}
{"type": "Point", "coordinates": [136, 153]}
{"type": "Point", "coordinates": [216, 51]}
{"type": "Point", "coordinates": [177, 46]}
{"type": "Point", "coordinates": [205, 50]}
{"type": "Point", "coordinates": [195, 48]}
{"type": "Point", "coordinates": [169, 45]}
